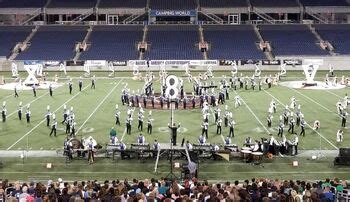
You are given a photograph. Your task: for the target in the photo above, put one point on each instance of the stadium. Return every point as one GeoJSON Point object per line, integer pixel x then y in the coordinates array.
{"type": "Point", "coordinates": [174, 100]}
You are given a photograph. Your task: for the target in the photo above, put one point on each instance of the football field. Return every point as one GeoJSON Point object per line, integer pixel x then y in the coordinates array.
{"type": "Point", "coordinates": [95, 115]}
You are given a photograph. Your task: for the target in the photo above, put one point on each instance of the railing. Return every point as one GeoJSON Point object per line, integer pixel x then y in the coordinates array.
{"type": "Point", "coordinates": [264, 16]}
{"type": "Point", "coordinates": [82, 17]}
{"type": "Point", "coordinates": [35, 14]}
{"type": "Point", "coordinates": [317, 16]}
{"type": "Point", "coordinates": [213, 17]}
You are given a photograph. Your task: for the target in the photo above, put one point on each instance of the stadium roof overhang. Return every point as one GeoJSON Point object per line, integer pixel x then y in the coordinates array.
{"type": "Point", "coordinates": [120, 11]}
{"type": "Point", "coordinates": [225, 10]}
{"type": "Point", "coordinates": [279, 9]}
{"type": "Point", "coordinates": [63, 11]}
{"type": "Point", "coordinates": [328, 9]}
{"type": "Point", "coordinates": [20, 11]}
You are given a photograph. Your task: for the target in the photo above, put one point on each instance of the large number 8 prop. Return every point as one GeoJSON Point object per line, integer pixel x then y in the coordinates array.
{"type": "Point", "coordinates": [171, 86]}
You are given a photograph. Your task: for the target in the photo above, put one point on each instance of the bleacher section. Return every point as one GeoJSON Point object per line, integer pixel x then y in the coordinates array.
{"type": "Point", "coordinates": [324, 2]}
{"type": "Point", "coordinates": [173, 42]}
{"type": "Point", "coordinates": [54, 43]}
{"type": "Point", "coordinates": [222, 3]}
{"type": "Point", "coordinates": [10, 36]}
{"type": "Point", "coordinates": [337, 35]}
{"type": "Point", "coordinates": [232, 42]}
{"type": "Point", "coordinates": [173, 4]}
{"type": "Point", "coordinates": [22, 3]}
{"type": "Point", "coordinates": [274, 3]}
{"type": "Point", "coordinates": [72, 3]}
{"type": "Point", "coordinates": [122, 4]}
{"type": "Point", "coordinates": [291, 40]}
{"type": "Point", "coordinates": [113, 43]}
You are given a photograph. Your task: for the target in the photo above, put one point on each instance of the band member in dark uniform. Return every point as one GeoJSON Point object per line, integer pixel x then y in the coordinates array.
{"type": "Point", "coordinates": [344, 116]}
{"type": "Point", "coordinates": [302, 126]}
{"type": "Point", "coordinates": [91, 156]}
{"type": "Point", "coordinates": [205, 126]}
{"type": "Point", "coordinates": [20, 111]}
{"type": "Point", "coordinates": [53, 128]}
{"type": "Point", "coordinates": [280, 129]}
{"type": "Point", "coordinates": [70, 86]}
{"type": "Point", "coordinates": [291, 125]}
{"type": "Point", "coordinates": [16, 93]}
{"type": "Point", "coordinates": [50, 90]}
{"type": "Point", "coordinates": [193, 101]}
{"type": "Point", "coordinates": [149, 124]}
{"type": "Point", "coordinates": [4, 113]}
{"type": "Point", "coordinates": [269, 120]}
{"type": "Point", "coordinates": [34, 90]}
{"type": "Point", "coordinates": [231, 124]}
{"type": "Point", "coordinates": [218, 126]}
{"type": "Point", "coordinates": [128, 125]}
{"type": "Point", "coordinates": [28, 115]}
{"type": "Point", "coordinates": [173, 129]}
{"type": "Point", "coordinates": [80, 83]}
{"type": "Point", "coordinates": [93, 81]}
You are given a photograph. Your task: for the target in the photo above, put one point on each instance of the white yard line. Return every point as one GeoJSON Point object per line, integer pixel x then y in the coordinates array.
{"type": "Point", "coordinates": [29, 103]}
{"type": "Point", "coordinates": [126, 172]}
{"type": "Point", "coordinates": [98, 106]}
{"type": "Point", "coordinates": [251, 111]}
{"type": "Point", "coordinates": [132, 113]}
{"type": "Point", "coordinates": [25, 135]}
{"type": "Point", "coordinates": [306, 122]}
{"type": "Point", "coordinates": [6, 97]}
{"type": "Point", "coordinates": [312, 100]}
{"type": "Point", "coordinates": [334, 94]}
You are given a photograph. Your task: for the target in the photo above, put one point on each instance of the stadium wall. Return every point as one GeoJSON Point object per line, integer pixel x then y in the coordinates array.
{"type": "Point", "coordinates": [293, 63]}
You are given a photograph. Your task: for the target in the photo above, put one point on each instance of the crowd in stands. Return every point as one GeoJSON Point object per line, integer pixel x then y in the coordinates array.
{"type": "Point", "coordinates": [172, 190]}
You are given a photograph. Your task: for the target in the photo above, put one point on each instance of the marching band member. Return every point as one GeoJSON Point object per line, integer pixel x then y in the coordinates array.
{"type": "Point", "coordinates": [202, 139]}
{"type": "Point", "coordinates": [269, 120]}
{"type": "Point", "coordinates": [150, 123]}
{"type": "Point", "coordinates": [231, 125]}
{"type": "Point", "coordinates": [28, 115]}
{"type": "Point", "coordinates": [117, 115]}
{"type": "Point", "coordinates": [128, 125]}
{"type": "Point", "coordinates": [16, 93]}
{"type": "Point", "coordinates": [302, 126]}
{"type": "Point", "coordinates": [218, 126]}
{"type": "Point", "coordinates": [4, 112]}
{"type": "Point", "coordinates": [173, 129]}
{"type": "Point", "coordinates": [293, 103]}
{"type": "Point", "coordinates": [286, 115]}
{"type": "Point", "coordinates": [93, 81]}
{"type": "Point", "coordinates": [280, 128]}
{"type": "Point", "coordinates": [91, 146]}
{"type": "Point", "coordinates": [298, 114]}
{"type": "Point", "coordinates": [344, 116]}
{"type": "Point", "coordinates": [205, 126]}
{"type": "Point", "coordinates": [19, 111]}
{"type": "Point", "coordinates": [256, 147]}
{"type": "Point", "coordinates": [53, 128]}
{"type": "Point", "coordinates": [317, 125]}
{"type": "Point", "coordinates": [141, 139]}
{"type": "Point", "coordinates": [80, 83]}
{"type": "Point", "coordinates": [296, 142]}
{"type": "Point", "coordinates": [70, 86]}
{"type": "Point", "coordinates": [340, 107]}
{"type": "Point", "coordinates": [291, 124]}
{"type": "Point", "coordinates": [226, 116]}
{"type": "Point", "coordinates": [339, 136]}
{"type": "Point", "coordinates": [189, 146]}
{"type": "Point", "coordinates": [248, 141]}
{"type": "Point", "coordinates": [227, 140]}
{"type": "Point", "coordinates": [140, 118]}
{"type": "Point", "coordinates": [48, 115]}
{"type": "Point", "coordinates": [273, 106]}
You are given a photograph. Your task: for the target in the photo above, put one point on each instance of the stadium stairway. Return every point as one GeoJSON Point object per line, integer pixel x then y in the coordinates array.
{"type": "Point", "coordinates": [144, 37]}
{"type": "Point", "coordinates": [86, 38]}
{"type": "Point", "coordinates": [267, 53]}
{"type": "Point", "coordinates": [26, 41]}
{"type": "Point", "coordinates": [319, 38]}
{"type": "Point", "coordinates": [201, 38]}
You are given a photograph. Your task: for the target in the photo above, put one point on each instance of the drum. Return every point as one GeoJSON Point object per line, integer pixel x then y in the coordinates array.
{"type": "Point", "coordinates": [257, 157]}
{"type": "Point", "coordinates": [246, 155]}
{"type": "Point", "coordinates": [76, 144]}
{"type": "Point", "coordinates": [246, 148]}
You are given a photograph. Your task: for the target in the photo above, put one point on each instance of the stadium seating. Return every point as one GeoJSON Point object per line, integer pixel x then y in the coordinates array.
{"type": "Point", "coordinates": [22, 3]}
{"type": "Point", "coordinates": [54, 43]}
{"type": "Point", "coordinates": [173, 4]}
{"type": "Point", "coordinates": [122, 4]}
{"type": "Point", "coordinates": [173, 42]}
{"type": "Point", "coordinates": [291, 40]}
{"type": "Point", "coordinates": [113, 43]}
{"type": "Point", "coordinates": [274, 3]}
{"type": "Point", "coordinates": [222, 3]}
{"type": "Point", "coordinates": [232, 42]}
{"type": "Point", "coordinates": [70, 3]}
{"type": "Point", "coordinates": [10, 36]}
{"type": "Point", "coordinates": [337, 35]}
{"type": "Point", "coordinates": [325, 3]}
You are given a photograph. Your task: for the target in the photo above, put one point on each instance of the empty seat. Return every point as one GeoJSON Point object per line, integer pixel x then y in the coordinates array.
{"type": "Point", "coordinates": [337, 35]}
{"type": "Point", "coordinates": [123, 4]}
{"type": "Point", "coordinates": [114, 43]}
{"type": "Point", "coordinates": [173, 42]}
{"type": "Point", "coordinates": [291, 40]}
{"type": "Point", "coordinates": [232, 42]}
{"type": "Point", "coordinates": [54, 43]}
{"type": "Point", "coordinates": [10, 36]}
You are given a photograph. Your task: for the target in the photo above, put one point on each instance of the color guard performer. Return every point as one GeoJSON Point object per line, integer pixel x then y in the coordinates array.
{"type": "Point", "coordinates": [344, 116]}
{"type": "Point", "coordinates": [339, 136]}
{"type": "Point", "coordinates": [128, 125]}
{"type": "Point", "coordinates": [140, 119]}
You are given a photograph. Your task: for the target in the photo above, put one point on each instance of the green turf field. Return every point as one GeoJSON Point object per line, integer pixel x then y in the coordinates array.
{"type": "Point", "coordinates": [94, 110]}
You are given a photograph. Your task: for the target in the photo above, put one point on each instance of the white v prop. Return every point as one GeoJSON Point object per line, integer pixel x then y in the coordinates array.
{"type": "Point", "coordinates": [310, 72]}
{"type": "Point", "coordinates": [31, 79]}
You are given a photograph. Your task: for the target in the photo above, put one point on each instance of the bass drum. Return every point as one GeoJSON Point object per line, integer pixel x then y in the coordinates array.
{"type": "Point", "coordinates": [76, 144]}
